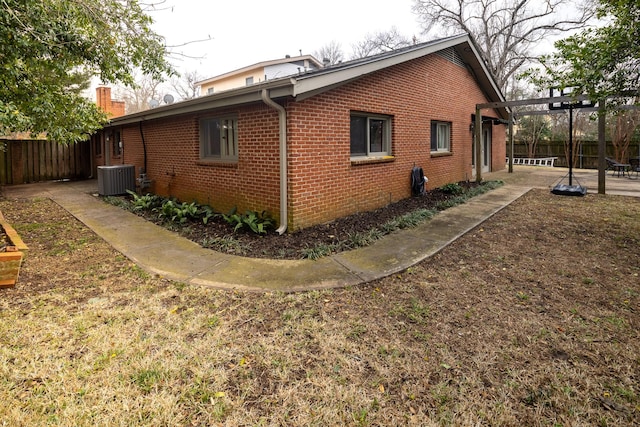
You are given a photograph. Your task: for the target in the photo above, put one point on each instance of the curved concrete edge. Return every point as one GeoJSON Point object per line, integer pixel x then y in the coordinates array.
{"type": "Point", "coordinates": [399, 251]}
{"type": "Point", "coordinates": [277, 275]}
{"type": "Point", "coordinates": [159, 251]}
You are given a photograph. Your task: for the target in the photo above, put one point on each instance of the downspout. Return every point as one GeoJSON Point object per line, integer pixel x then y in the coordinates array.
{"type": "Point", "coordinates": [144, 146]}
{"type": "Point", "coordinates": [282, 118]}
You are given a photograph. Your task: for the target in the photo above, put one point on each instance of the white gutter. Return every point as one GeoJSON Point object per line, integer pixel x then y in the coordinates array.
{"type": "Point", "coordinates": [282, 118]}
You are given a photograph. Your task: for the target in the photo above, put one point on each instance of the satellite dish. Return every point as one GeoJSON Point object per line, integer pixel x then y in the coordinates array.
{"type": "Point", "coordinates": [168, 99]}
{"type": "Point", "coordinates": [153, 103]}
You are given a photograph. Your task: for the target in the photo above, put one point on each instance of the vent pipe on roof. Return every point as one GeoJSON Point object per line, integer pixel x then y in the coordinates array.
{"type": "Point", "coordinates": [282, 119]}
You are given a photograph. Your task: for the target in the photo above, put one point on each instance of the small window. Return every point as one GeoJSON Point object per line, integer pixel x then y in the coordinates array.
{"type": "Point", "coordinates": [249, 81]}
{"type": "Point", "coordinates": [219, 139]}
{"type": "Point", "coordinates": [440, 137]}
{"type": "Point", "coordinates": [209, 91]}
{"type": "Point", "coordinates": [370, 135]}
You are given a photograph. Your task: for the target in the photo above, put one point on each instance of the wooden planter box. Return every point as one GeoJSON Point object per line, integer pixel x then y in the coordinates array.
{"type": "Point", "coordinates": [11, 260]}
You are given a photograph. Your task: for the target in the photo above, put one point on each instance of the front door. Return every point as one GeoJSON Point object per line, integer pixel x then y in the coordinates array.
{"type": "Point", "coordinates": [486, 149]}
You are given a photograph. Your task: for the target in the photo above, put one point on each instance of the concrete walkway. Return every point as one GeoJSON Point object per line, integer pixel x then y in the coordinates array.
{"type": "Point", "coordinates": [162, 252]}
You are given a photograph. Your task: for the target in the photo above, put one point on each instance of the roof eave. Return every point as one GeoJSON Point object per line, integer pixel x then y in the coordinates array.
{"type": "Point", "coordinates": [309, 85]}
{"type": "Point", "coordinates": [304, 86]}
{"type": "Point", "coordinates": [487, 82]}
{"type": "Point", "coordinates": [250, 94]}
{"type": "Point", "coordinates": [314, 83]}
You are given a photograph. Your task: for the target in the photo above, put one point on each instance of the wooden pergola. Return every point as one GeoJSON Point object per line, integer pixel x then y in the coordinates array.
{"type": "Point", "coordinates": [601, 108]}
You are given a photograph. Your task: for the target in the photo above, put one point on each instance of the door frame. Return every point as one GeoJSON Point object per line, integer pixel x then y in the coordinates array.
{"type": "Point", "coordinates": [487, 139]}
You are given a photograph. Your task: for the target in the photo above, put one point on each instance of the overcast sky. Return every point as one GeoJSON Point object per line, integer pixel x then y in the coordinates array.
{"type": "Point", "coordinates": [244, 32]}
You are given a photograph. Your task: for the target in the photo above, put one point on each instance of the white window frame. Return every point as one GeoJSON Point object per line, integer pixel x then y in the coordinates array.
{"type": "Point", "coordinates": [386, 135]}
{"type": "Point", "coordinates": [222, 131]}
{"type": "Point", "coordinates": [441, 131]}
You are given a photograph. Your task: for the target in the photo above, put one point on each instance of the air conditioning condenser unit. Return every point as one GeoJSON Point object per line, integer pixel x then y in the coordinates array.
{"type": "Point", "coordinates": [116, 180]}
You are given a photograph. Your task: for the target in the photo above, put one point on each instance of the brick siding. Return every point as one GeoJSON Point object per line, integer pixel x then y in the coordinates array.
{"type": "Point", "coordinates": [323, 183]}
{"type": "Point", "coordinates": [108, 105]}
{"type": "Point", "coordinates": [175, 169]}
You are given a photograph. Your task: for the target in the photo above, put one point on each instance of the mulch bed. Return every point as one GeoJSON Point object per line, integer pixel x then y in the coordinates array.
{"type": "Point", "coordinates": [219, 235]}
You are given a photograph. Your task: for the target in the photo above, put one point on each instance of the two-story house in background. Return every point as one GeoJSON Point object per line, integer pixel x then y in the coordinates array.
{"type": "Point", "coordinates": [260, 72]}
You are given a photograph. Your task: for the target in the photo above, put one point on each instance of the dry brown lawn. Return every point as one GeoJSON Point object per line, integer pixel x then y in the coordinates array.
{"type": "Point", "coordinates": [531, 319]}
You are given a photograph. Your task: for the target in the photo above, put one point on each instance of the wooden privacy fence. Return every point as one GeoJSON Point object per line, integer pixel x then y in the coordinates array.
{"type": "Point", "coordinates": [25, 161]}
{"type": "Point", "coordinates": [586, 152]}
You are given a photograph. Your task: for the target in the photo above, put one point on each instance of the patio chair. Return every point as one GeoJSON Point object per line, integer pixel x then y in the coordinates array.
{"type": "Point", "coordinates": [615, 167]}
{"type": "Point", "coordinates": [634, 166]}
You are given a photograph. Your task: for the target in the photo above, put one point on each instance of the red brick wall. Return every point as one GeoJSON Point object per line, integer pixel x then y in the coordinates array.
{"type": "Point", "coordinates": [103, 98]}
{"type": "Point", "coordinates": [117, 108]}
{"type": "Point", "coordinates": [175, 169]}
{"type": "Point", "coordinates": [109, 106]}
{"type": "Point", "coordinates": [323, 183]}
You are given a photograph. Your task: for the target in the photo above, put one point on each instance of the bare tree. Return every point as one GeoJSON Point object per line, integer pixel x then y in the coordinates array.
{"type": "Point", "coordinates": [185, 85]}
{"type": "Point", "coordinates": [140, 97]}
{"type": "Point", "coordinates": [380, 42]}
{"type": "Point", "coordinates": [581, 123]}
{"type": "Point", "coordinates": [504, 31]}
{"type": "Point", "coordinates": [533, 126]}
{"type": "Point", "coordinates": [622, 128]}
{"type": "Point", "coordinates": [331, 51]}
{"type": "Point", "coordinates": [531, 130]}
{"type": "Point", "coordinates": [583, 128]}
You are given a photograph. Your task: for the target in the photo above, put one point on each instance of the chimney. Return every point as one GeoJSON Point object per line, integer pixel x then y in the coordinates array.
{"type": "Point", "coordinates": [106, 104]}
{"type": "Point", "coordinates": [103, 98]}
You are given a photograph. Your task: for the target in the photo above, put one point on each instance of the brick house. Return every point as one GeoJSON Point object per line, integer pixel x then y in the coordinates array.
{"type": "Point", "coordinates": [323, 144]}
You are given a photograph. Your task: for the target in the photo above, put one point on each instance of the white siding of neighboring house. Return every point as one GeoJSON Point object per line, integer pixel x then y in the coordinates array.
{"type": "Point", "coordinates": [282, 70]}
{"type": "Point", "coordinates": [259, 74]}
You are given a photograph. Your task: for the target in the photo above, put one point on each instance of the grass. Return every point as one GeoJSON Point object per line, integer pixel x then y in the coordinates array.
{"type": "Point", "coordinates": [500, 328]}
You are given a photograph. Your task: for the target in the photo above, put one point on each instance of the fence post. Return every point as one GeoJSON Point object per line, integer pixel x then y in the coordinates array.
{"type": "Point", "coordinates": [602, 145]}
{"type": "Point", "coordinates": [510, 142]}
